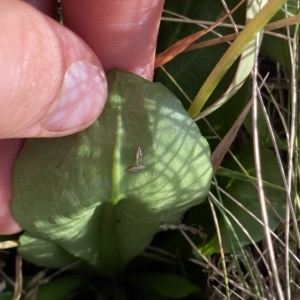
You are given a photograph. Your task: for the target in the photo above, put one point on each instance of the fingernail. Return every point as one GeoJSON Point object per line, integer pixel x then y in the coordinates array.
{"type": "Point", "coordinates": [81, 99]}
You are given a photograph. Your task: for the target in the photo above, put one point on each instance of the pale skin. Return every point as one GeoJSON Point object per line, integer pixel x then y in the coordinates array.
{"type": "Point", "coordinates": [41, 60]}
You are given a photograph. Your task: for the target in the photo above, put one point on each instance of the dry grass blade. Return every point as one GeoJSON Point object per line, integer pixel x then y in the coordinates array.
{"type": "Point", "coordinates": [9, 244]}
{"type": "Point", "coordinates": [223, 39]}
{"type": "Point", "coordinates": [292, 151]}
{"type": "Point", "coordinates": [282, 23]}
{"type": "Point", "coordinates": [261, 194]}
{"type": "Point", "coordinates": [212, 42]}
{"type": "Point", "coordinates": [290, 211]}
{"type": "Point", "coordinates": [278, 240]}
{"type": "Point", "coordinates": [214, 269]}
{"type": "Point", "coordinates": [19, 278]}
{"type": "Point", "coordinates": [222, 148]}
{"type": "Point", "coordinates": [61, 271]}
{"type": "Point", "coordinates": [181, 45]}
{"type": "Point", "coordinates": [230, 37]}
{"type": "Point", "coordinates": [34, 283]}
{"type": "Point", "coordinates": [220, 244]}
{"type": "Point", "coordinates": [242, 228]}
{"type": "Point", "coordinates": [269, 27]}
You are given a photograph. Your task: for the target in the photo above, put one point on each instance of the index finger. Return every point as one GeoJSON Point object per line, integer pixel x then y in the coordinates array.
{"type": "Point", "coordinates": [123, 34]}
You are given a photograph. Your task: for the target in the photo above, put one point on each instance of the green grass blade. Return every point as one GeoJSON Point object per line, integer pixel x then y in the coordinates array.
{"type": "Point", "coordinates": [233, 52]}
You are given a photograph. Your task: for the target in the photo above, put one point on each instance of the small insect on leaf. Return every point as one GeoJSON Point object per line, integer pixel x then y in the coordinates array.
{"type": "Point", "coordinates": [137, 167]}
{"type": "Point", "coordinates": [138, 155]}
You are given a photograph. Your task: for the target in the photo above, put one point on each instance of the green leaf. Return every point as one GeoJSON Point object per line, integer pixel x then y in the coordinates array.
{"type": "Point", "coordinates": [169, 285]}
{"type": "Point", "coordinates": [241, 176]}
{"type": "Point", "coordinates": [77, 191]}
{"type": "Point", "coordinates": [148, 292]}
{"type": "Point", "coordinates": [246, 194]}
{"type": "Point", "coordinates": [44, 253]}
{"type": "Point", "coordinates": [60, 288]}
{"type": "Point", "coordinates": [6, 295]}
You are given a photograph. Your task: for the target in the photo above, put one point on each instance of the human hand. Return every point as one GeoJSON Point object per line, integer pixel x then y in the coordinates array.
{"type": "Point", "coordinates": [52, 84]}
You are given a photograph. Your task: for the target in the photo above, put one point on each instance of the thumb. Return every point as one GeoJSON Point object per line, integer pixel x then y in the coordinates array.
{"type": "Point", "coordinates": [53, 84]}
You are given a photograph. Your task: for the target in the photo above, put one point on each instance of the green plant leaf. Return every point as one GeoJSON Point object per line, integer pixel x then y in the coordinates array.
{"type": "Point", "coordinates": [77, 191]}
{"type": "Point", "coordinates": [246, 194]}
{"type": "Point", "coordinates": [169, 285]}
{"type": "Point", "coordinates": [44, 253]}
{"type": "Point", "coordinates": [60, 288]}
{"type": "Point", "coordinates": [6, 295]}
{"type": "Point", "coordinates": [148, 292]}
{"type": "Point", "coordinates": [241, 176]}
